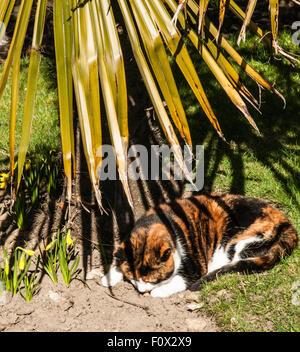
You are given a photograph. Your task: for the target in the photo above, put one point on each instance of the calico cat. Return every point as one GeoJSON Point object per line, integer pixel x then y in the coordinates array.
{"type": "Point", "coordinates": [175, 246]}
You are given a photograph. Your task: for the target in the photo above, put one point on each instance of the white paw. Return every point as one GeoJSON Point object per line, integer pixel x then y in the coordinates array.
{"type": "Point", "coordinates": [160, 292]}
{"type": "Point", "coordinates": [113, 276]}
{"type": "Point", "coordinates": [176, 284]}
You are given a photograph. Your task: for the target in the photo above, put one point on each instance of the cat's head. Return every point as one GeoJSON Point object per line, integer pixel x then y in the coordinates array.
{"type": "Point", "coordinates": [149, 255]}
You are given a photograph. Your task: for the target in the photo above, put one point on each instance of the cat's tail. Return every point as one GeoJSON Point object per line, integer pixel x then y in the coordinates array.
{"type": "Point", "coordinates": [279, 246]}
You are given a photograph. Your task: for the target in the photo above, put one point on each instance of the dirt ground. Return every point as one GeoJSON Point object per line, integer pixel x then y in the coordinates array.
{"type": "Point", "coordinates": [78, 308]}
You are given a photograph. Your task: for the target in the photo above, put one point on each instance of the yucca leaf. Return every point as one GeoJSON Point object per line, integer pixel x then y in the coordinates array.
{"type": "Point", "coordinates": [115, 66]}
{"type": "Point", "coordinates": [94, 90]}
{"type": "Point", "coordinates": [227, 68]}
{"type": "Point", "coordinates": [274, 12]}
{"type": "Point", "coordinates": [6, 8]}
{"type": "Point", "coordinates": [203, 4]}
{"type": "Point", "coordinates": [159, 61]}
{"type": "Point", "coordinates": [84, 63]}
{"type": "Point", "coordinates": [13, 111]}
{"type": "Point", "coordinates": [178, 49]}
{"type": "Point", "coordinates": [249, 12]}
{"type": "Point", "coordinates": [234, 8]}
{"type": "Point", "coordinates": [151, 86]}
{"type": "Point", "coordinates": [63, 52]}
{"type": "Point", "coordinates": [180, 7]}
{"type": "Point", "coordinates": [231, 73]}
{"type": "Point", "coordinates": [222, 9]}
{"type": "Point", "coordinates": [17, 41]}
{"type": "Point", "coordinates": [220, 75]}
{"type": "Point", "coordinates": [3, 6]}
{"type": "Point", "coordinates": [107, 85]}
{"type": "Point", "coordinates": [34, 64]}
{"type": "Point", "coordinates": [234, 54]}
{"type": "Point", "coordinates": [258, 31]}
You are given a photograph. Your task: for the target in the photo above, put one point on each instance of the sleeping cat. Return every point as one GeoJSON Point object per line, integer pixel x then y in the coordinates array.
{"type": "Point", "coordinates": [175, 246]}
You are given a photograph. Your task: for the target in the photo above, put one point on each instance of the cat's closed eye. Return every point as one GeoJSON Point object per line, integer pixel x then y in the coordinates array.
{"type": "Point", "coordinates": [166, 255]}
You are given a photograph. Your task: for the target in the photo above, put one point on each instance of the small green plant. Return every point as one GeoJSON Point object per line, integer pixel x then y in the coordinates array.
{"type": "Point", "coordinates": [50, 172]}
{"type": "Point", "coordinates": [49, 259]}
{"type": "Point", "coordinates": [32, 179]}
{"type": "Point", "coordinates": [66, 256]}
{"type": "Point", "coordinates": [13, 276]}
{"type": "Point", "coordinates": [37, 172]}
{"type": "Point", "coordinates": [60, 253]}
{"type": "Point", "coordinates": [19, 209]}
{"type": "Point", "coordinates": [30, 281]}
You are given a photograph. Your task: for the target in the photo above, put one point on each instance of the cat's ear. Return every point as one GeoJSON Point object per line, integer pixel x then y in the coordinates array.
{"type": "Point", "coordinates": [165, 254]}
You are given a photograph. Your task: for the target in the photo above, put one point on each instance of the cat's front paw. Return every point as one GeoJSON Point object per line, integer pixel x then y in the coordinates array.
{"type": "Point", "coordinates": [160, 292]}
{"type": "Point", "coordinates": [177, 284]}
{"type": "Point", "coordinates": [113, 276]}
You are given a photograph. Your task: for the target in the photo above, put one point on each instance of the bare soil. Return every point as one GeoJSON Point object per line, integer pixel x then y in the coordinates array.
{"type": "Point", "coordinates": [78, 308]}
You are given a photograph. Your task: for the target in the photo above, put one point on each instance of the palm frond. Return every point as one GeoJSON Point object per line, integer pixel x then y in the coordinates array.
{"type": "Point", "coordinates": [89, 60]}
{"type": "Point", "coordinates": [34, 64]}
{"type": "Point", "coordinates": [63, 53]}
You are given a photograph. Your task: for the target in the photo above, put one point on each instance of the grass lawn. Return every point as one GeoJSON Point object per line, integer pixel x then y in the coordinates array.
{"type": "Point", "coordinates": [45, 127]}
{"type": "Point", "coordinates": [265, 165]}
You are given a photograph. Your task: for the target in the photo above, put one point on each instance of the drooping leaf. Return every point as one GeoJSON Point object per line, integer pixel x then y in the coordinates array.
{"type": "Point", "coordinates": [63, 52]}
{"type": "Point", "coordinates": [109, 89]}
{"type": "Point", "coordinates": [174, 41]}
{"type": "Point", "coordinates": [249, 12]}
{"type": "Point", "coordinates": [235, 55]}
{"type": "Point", "coordinates": [87, 92]}
{"type": "Point", "coordinates": [33, 73]}
{"type": "Point", "coordinates": [203, 4]}
{"type": "Point", "coordinates": [258, 31]}
{"type": "Point", "coordinates": [222, 9]}
{"type": "Point", "coordinates": [151, 86]}
{"type": "Point", "coordinates": [274, 13]}
{"type": "Point", "coordinates": [159, 61]}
